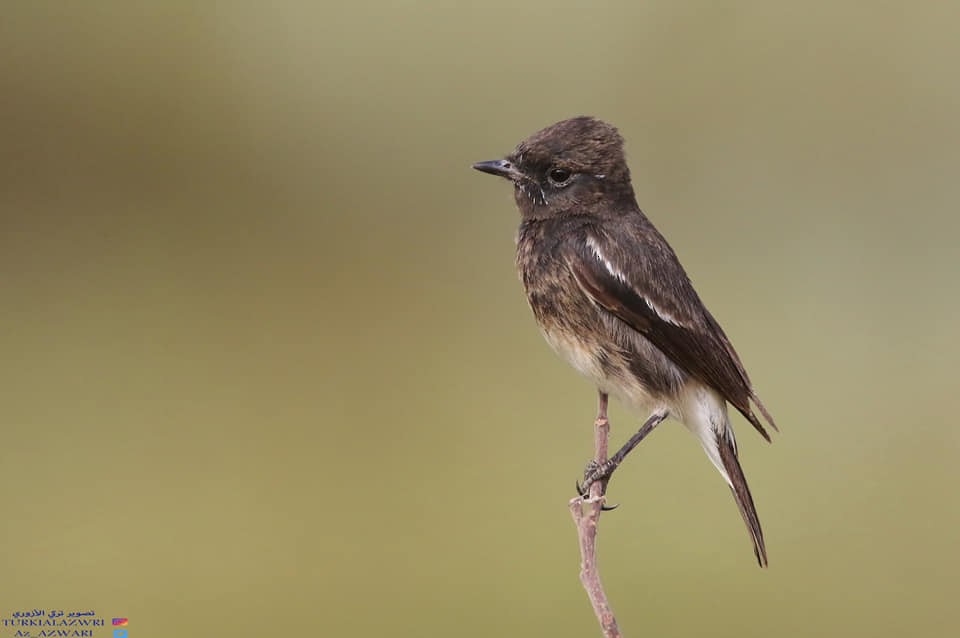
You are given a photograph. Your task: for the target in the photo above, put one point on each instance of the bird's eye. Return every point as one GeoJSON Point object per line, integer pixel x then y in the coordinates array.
{"type": "Point", "coordinates": [559, 176]}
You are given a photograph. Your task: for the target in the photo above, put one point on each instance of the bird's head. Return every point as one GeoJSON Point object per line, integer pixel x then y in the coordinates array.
{"type": "Point", "coordinates": [567, 168]}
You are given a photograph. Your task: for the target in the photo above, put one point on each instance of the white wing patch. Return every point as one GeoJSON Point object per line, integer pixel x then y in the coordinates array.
{"type": "Point", "coordinates": [613, 270]}
{"type": "Point", "coordinates": [618, 274]}
{"type": "Point", "coordinates": [666, 316]}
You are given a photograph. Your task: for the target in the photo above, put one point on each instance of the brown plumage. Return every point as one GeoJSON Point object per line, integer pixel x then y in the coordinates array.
{"type": "Point", "coordinates": [611, 296]}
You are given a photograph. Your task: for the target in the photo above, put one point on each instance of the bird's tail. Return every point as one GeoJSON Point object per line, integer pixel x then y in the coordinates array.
{"type": "Point", "coordinates": [741, 492]}
{"type": "Point", "coordinates": [705, 414]}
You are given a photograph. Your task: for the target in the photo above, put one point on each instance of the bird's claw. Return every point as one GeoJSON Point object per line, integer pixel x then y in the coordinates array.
{"type": "Point", "coordinates": [591, 474]}
{"type": "Point", "coordinates": [589, 478]}
{"type": "Point", "coordinates": [584, 492]}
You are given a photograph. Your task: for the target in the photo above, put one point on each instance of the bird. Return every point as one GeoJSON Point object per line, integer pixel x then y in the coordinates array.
{"type": "Point", "coordinates": [611, 297]}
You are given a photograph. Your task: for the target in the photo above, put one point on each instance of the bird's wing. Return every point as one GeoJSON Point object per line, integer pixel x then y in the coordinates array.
{"type": "Point", "coordinates": [642, 283]}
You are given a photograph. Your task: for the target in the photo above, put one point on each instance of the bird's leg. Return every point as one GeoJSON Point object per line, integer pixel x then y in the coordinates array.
{"type": "Point", "coordinates": [602, 471]}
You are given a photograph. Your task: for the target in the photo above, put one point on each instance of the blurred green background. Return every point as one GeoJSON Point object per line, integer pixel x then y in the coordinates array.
{"type": "Point", "coordinates": [267, 366]}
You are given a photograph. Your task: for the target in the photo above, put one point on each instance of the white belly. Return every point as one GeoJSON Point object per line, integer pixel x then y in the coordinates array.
{"type": "Point", "coordinates": [622, 387]}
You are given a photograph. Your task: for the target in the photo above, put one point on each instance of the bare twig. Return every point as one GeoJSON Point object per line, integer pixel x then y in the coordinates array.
{"type": "Point", "coordinates": [586, 510]}
{"type": "Point", "coordinates": [586, 515]}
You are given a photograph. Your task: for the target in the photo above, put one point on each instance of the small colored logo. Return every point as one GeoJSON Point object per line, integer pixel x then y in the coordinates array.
{"type": "Point", "coordinates": [120, 633]}
{"type": "Point", "coordinates": [119, 622]}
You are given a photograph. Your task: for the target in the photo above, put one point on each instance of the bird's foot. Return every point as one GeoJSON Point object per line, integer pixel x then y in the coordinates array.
{"type": "Point", "coordinates": [593, 473]}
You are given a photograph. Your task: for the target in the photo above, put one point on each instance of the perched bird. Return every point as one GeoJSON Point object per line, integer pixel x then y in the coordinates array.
{"type": "Point", "coordinates": [611, 297]}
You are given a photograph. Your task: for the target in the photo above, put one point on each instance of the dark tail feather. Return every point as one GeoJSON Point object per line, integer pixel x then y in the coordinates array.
{"type": "Point", "coordinates": [755, 422]}
{"type": "Point", "coordinates": [741, 493]}
{"type": "Point", "coordinates": [764, 412]}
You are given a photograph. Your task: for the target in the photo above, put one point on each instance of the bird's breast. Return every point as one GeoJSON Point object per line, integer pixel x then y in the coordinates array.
{"type": "Point", "coordinates": [569, 321]}
{"type": "Point", "coordinates": [616, 358]}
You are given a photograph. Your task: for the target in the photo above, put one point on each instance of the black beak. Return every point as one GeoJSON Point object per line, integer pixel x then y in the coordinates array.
{"type": "Point", "coordinates": [503, 168]}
